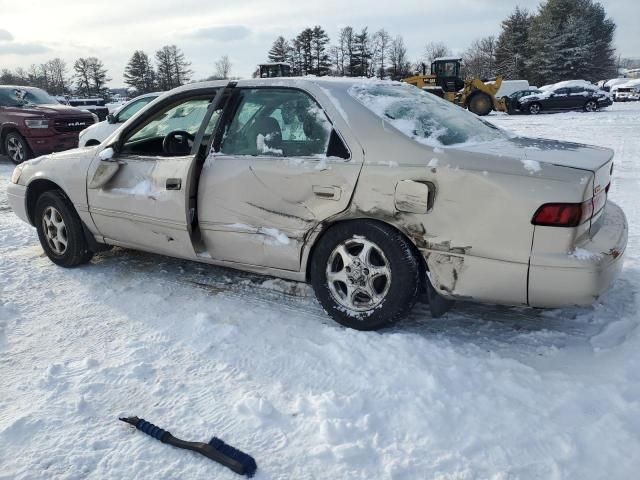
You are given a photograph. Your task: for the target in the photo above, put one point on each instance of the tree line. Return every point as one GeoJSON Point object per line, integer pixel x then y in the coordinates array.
{"type": "Point", "coordinates": [564, 39]}
{"type": "Point", "coordinates": [355, 54]}
{"type": "Point", "coordinates": [89, 77]}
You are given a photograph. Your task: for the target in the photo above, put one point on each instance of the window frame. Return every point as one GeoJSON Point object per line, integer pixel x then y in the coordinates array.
{"type": "Point", "coordinates": [231, 110]}
{"type": "Point", "coordinates": [165, 105]}
{"type": "Point", "coordinates": [147, 101]}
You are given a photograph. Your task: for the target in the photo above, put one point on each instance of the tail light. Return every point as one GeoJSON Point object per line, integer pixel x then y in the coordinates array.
{"type": "Point", "coordinates": [570, 214]}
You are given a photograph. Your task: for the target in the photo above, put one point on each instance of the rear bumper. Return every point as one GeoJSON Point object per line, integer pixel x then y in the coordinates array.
{"type": "Point", "coordinates": [581, 276]}
{"type": "Point", "coordinates": [55, 143]}
{"type": "Point", "coordinates": [17, 198]}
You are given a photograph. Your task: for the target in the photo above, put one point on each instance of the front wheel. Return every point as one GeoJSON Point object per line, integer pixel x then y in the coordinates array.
{"type": "Point", "coordinates": [481, 104]}
{"type": "Point", "coordinates": [16, 148]}
{"type": "Point", "coordinates": [590, 106]}
{"type": "Point", "coordinates": [534, 108]}
{"type": "Point", "coordinates": [60, 230]}
{"type": "Point", "coordinates": [365, 274]}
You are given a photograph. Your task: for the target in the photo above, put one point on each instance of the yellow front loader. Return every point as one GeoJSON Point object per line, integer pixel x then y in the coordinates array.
{"type": "Point", "coordinates": [445, 81]}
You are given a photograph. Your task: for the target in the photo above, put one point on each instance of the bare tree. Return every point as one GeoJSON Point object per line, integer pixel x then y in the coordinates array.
{"type": "Point", "coordinates": [432, 50]}
{"type": "Point", "coordinates": [480, 58]}
{"type": "Point", "coordinates": [382, 43]}
{"type": "Point", "coordinates": [400, 66]}
{"type": "Point", "coordinates": [223, 67]}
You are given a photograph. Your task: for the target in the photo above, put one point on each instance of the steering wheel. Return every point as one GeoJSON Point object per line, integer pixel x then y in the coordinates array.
{"type": "Point", "coordinates": [178, 142]}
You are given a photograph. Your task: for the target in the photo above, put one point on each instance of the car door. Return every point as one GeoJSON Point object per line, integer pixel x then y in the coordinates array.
{"type": "Point", "coordinates": [140, 197]}
{"type": "Point", "coordinates": [559, 100]}
{"type": "Point", "coordinates": [577, 97]}
{"type": "Point", "coordinates": [281, 167]}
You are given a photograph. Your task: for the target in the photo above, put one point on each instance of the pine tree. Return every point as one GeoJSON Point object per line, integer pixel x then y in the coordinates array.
{"type": "Point", "coordinates": [319, 41]}
{"type": "Point", "coordinates": [172, 69]}
{"type": "Point", "coordinates": [571, 39]}
{"type": "Point", "coordinates": [91, 76]}
{"type": "Point", "coordinates": [361, 54]}
{"type": "Point", "coordinates": [512, 48]}
{"type": "Point", "coordinates": [139, 73]}
{"type": "Point", "coordinates": [279, 50]}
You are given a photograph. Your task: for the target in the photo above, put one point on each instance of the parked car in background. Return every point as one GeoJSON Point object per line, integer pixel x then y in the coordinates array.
{"type": "Point", "coordinates": [513, 100]}
{"type": "Point", "coordinates": [626, 92]}
{"type": "Point", "coordinates": [569, 95]}
{"type": "Point", "coordinates": [95, 134]}
{"type": "Point", "coordinates": [96, 106]}
{"type": "Point", "coordinates": [33, 123]}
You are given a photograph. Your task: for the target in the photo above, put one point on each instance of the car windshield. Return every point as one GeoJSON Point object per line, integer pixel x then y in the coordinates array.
{"type": "Point", "coordinates": [423, 116]}
{"type": "Point", "coordinates": [524, 93]}
{"type": "Point", "coordinates": [15, 97]}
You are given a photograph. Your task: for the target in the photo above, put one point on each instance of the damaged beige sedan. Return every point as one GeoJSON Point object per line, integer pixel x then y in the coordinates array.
{"type": "Point", "coordinates": [375, 192]}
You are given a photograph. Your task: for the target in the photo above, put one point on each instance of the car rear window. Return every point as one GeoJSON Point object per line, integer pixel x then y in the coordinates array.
{"type": "Point", "coordinates": [423, 116]}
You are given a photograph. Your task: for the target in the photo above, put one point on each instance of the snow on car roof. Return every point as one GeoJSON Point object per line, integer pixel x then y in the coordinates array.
{"type": "Point", "coordinates": [569, 83]}
{"type": "Point", "coordinates": [628, 84]}
{"type": "Point", "coordinates": [615, 81]}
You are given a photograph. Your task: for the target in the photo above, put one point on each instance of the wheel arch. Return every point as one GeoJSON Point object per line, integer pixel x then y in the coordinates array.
{"type": "Point", "coordinates": [36, 188]}
{"type": "Point", "coordinates": [5, 130]}
{"type": "Point", "coordinates": [325, 227]}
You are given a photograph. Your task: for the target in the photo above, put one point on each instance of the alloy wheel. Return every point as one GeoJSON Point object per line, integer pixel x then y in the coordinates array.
{"type": "Point", "coordinates": [534, 109]}
{"type": "Point", "coordinates": [15, 150]}
{"type": "Point", "coordinates": [591, 106]}
{"type": "Point", "coordinates": [358, 274]}
{"type": "Point", "coordinates": [55, 230]}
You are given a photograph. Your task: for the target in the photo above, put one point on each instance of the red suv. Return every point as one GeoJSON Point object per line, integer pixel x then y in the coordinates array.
{"type": "Point", "coordinates": [33, 123]}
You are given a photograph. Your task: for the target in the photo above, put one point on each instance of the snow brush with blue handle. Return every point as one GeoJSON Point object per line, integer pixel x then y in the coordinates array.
{"type": "Point", "coordinates": [216, 449]}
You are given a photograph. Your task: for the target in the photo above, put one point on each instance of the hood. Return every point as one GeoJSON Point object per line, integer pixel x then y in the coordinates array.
{"type": "Point", "coordinates": [53, 110]}
{"type": "Point", "coordinates": [552, 152]}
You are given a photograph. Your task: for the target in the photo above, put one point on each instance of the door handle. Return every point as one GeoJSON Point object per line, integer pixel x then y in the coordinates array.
{"type": "Point", "coordinates": [330, 193]}
{"type": "Point", "coordinates": [174, 183]}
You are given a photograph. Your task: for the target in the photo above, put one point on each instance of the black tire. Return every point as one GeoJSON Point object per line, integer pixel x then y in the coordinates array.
{"type": "Point", "coordinates": [404, 280]}
{"type": "Point", "coordinates": [534, 108]}
{"type": "Point", "coordinates": [591, 106]}
{"type": "Point", "coordinates": [76, 251]}
{"type": "Point", "coordinates": [481, 104]}
{"type": "Point", "coordinates": [16, 148]}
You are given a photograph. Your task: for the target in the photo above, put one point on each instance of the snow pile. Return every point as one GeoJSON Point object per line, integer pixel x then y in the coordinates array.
{"type": "Point", "coordinates": [532, 166]}
{"type": "Point", "coordinates": [569, 83]}
{"type": "Point", "coordinates": [275, 236]}
{"type": "Point", "coordinates": [582, 254]}
{"type": "Point", "coordinates": [423, 117]}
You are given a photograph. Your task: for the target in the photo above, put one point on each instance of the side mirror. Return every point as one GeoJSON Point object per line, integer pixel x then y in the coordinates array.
{"type": "Point", "coordinates": [112, 119]}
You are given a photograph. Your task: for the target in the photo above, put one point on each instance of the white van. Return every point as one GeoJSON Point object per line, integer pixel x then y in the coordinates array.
{"type": "Point", "coordinates": [511, 86]}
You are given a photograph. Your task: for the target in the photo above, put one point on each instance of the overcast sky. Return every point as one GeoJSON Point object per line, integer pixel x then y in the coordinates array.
{"type": "Point", "coordinates": [35, 31]}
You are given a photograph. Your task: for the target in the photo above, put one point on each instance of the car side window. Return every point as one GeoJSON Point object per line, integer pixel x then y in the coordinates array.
{"type": "Point", "coordinates": [562, 91]}
{"type": "Point", "coordinates": [176, 124]}
{"type": "Point", "coordinates": [127, 112]}
{"type": "Point", "coordinates": [277, 122]}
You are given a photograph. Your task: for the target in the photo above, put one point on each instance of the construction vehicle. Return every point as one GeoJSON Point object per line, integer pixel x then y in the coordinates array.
{"type": "Point", "coordinates": [273, 70]}
{"type": "Point", "coordinates": [445, 81]}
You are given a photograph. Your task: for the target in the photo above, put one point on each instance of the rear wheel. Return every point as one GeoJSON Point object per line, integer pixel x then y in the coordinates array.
{"type": "Point", "coordinates": [591, 106]}
{"type": "Point", "coordinates": [365, 274]}
{"type": "Point", "coordinates": [480, 104]}
{"type": "Point", "coordinates": [534, 108]}
{"type": "Point", "coordinates": [16, 147]}
{"type": "Point", "coordinates": [60, 230]}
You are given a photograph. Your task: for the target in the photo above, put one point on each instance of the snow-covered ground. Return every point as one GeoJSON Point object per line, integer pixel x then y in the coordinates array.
{"type": "Point", "coordinates": [483, 393]}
